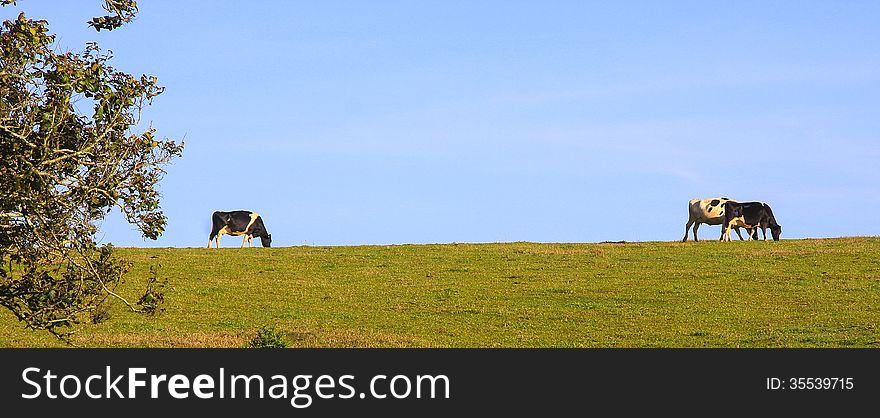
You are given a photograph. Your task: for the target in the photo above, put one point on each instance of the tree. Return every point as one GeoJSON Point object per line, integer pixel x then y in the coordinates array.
{"type": "Point", "coordinates": [63, 169]}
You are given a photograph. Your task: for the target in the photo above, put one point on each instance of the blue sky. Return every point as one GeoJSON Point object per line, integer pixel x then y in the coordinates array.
{"type": "Point", "coordinates": [389, 122]}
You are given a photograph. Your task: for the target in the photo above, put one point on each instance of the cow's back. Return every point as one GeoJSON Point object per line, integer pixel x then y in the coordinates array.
{"type": "Point", "coordinates": [708, 211]}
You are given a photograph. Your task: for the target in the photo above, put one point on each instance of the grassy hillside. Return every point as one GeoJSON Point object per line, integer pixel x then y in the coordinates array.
{"type": "Point", "coordinates": [793, 293]}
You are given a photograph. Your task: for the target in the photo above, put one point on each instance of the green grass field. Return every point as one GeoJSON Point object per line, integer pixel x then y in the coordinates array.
{"type": "Point", "coordinates": [792, 293]}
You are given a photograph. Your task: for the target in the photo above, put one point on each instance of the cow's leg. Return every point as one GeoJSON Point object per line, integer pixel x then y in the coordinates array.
{"type": "Point", "coordinates": [218, 240]}
{"type": "Point", "coordinates": [687, 229]}
{"type": "Point", "coordinates": [696, 227]}
{"type": "Point", "coordinates": [244, 241]}
{"type": "Point", "coordinates": [738, 233]}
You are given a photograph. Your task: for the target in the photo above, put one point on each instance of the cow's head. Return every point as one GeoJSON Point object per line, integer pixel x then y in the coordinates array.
{"type": "Point", "coordinates": [266, 240]}
{"type": "Point", "coordinates": [776, 231]}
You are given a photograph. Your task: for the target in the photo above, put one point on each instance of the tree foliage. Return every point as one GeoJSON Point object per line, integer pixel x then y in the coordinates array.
{"type": "Point", "coordinates": [120, 13]}
{"type": "Point", "coordinates": [70, 155]}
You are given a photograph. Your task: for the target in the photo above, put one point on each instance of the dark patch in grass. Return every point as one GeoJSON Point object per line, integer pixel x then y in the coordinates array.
{"type": "Point", "coordinates": [444, 294]}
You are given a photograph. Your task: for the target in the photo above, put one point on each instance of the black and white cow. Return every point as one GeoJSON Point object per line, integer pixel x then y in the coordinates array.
{"type": "Point", "coordinates": [749, 215]}
{"type": "Point", "coordinates": [705, 211]}
{"type": "Point", "coordinates": [239, 222]}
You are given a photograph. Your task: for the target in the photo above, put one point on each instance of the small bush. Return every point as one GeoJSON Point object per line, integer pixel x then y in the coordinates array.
{"type": "Point", "coordinates": [101, 313]}
{"type": "Point", "coordinates": [154, 296]}
{"type": "Point", "coordinates": [268, 337]}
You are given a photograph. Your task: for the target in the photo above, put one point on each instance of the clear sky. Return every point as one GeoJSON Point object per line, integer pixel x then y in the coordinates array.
{"type": "Point", "coordinates": [387, 122]}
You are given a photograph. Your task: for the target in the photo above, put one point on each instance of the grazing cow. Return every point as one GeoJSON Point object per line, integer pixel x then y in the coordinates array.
{"type": "Point", "coordinates": [705, 211]}
{"type": "Point", "coordinates": [749, 215]}
{"type": "Point", "coordinates": [239, 222]}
